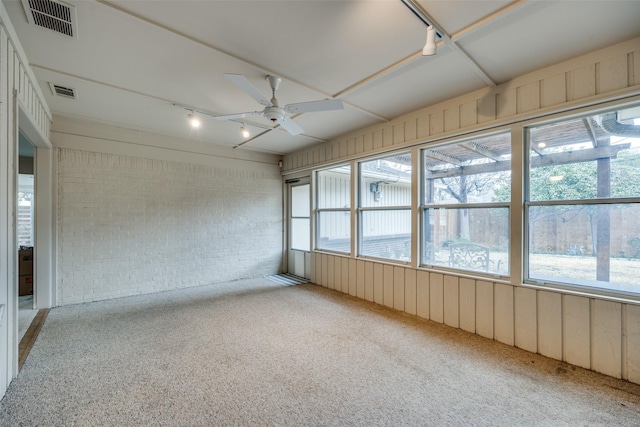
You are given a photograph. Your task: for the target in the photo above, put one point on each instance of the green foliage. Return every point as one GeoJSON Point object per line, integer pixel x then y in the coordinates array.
{"type": "Point", "coordinates": [564, 182]}
{"type": "Point", "coordinates": [578, 181]}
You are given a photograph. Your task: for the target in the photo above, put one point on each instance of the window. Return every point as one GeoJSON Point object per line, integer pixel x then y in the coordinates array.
{"type": "Point", "coordinates": [583, 202]}
{"type": "Point", "coordinates": [25, 210]}
{"type": "Point", "coordinates": [466, 191]}
{"type": "Point", "coordinates": [385, 208]}
{"type": "Point", "coordinates": [333, 213]}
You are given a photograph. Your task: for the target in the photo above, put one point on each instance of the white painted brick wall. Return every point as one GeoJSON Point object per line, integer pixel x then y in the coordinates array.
{"type": "Point", "coordinates": [129, 226]}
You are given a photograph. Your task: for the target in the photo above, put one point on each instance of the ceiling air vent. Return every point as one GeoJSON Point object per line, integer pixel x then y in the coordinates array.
{"type": "Point", "coordinates": [65, 92]}
{"type": "Point", "coordinates": [54, 15]}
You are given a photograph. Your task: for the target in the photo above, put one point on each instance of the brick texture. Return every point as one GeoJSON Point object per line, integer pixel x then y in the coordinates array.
{"type": "Point", "coordinates": [129, 226]}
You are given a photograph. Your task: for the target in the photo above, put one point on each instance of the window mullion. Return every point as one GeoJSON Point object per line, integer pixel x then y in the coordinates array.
{"type": "Point", "coordinates": [516, 213]}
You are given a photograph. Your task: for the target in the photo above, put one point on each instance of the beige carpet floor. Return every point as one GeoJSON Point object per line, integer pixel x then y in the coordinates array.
{"type": "Point", "coordinates": [256, 353]}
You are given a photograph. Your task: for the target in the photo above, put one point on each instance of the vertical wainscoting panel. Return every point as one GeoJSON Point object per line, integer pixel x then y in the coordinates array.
{"type": "Point", "coordinates": [452, 118]}
{"type": "Point", "coordinates": [337, 274]}
{"type": "Point", "coordinates": [635, 64]}
{"type": "Point", "coordinates": [353, 284]}
{"type": "Point", "coordinates": [422, 294]}
{"type": "Point", "coordinates": [436, 297]}
{"type": "Point", "coordinates": [451, 302]}
{"type": "Point", "coordinates": [484, 308]}
{"type": "Point", "coordinates": [526, 321]}
{"type": "Point", "coordinates": [577, 331]}
{"type": "Point", "coordinates": [410, 304]}
{"type": "Point", "coordinates": [345, 275]}
{"type": "Point", "coordinates": [467, 305]}
{"type": "Point", "coordinates": [398, 288]}
{"type": "Point", "coordinates": [613, 74]}
{"type": "Point", "coordinates": [606, 329]}
{"type": "Point", "coordinates": [378, 283]}
{"type": "Point", "coordinates": [331, 260]}
{"type": "Point", "coordinates": [506, 103]}
{"type": "Point", "coordinates": [528, 97]}
{"type": "Point", "coordinates": [487, 106]}
{"type": "Point", "coordinates": [553, 90]}
{"type": "Point", "coordinates": [410, 130]}
{"type": "Point", "coordinates": [550, 324]}
{"type": "Point", "coordinates": [398, 133]}
{"type": "Point", "coordinates": [325, 270]}
{"type": "Point", "coordinates": [582, 82]}
{"type": "Point", "coordinates": [360, 279]}
{"type": "Point", "coordinates": [388, 286]}
{"type": "Point", "coordinates": [316, 268]}
{"type": "Point", "coordinates": [368, 281]}
{"type": "Point", "coordinates": [633, 342]}
{"type": "Point", "coordinates": [422, 126]}
{"type": "Point", "coordinates": [469, 113]}
{"type": "Point", "coordinates": [504, 315]}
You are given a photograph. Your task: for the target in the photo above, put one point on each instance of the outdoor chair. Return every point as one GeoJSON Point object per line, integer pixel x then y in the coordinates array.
{"type": "Point", "coordinates": [469, 256]}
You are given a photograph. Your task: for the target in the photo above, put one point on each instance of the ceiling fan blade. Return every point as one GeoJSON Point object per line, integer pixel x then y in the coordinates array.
{"type": "Point", "coordinates": [291, 126]}
{"type": "Point", "coordinates": [244, 84]}
{"type": "Point", "coordinates": [311, 106]}
{"type": "Point", "coordinates": [238, 115]}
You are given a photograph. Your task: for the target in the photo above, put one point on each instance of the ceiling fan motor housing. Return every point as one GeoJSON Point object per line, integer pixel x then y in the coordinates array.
{"type": "Point", "coordinates": [275, 114]}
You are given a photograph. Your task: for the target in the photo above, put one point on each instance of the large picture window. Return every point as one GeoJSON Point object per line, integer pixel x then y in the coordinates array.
{"type": "Point", "coordinates": [466, 192]}
{"type": "Point", "coordinates": [385, 208]}
{"type": "Point", "coordinates": [583, 202]}
{"type": "Point", "coordinates": [333, 209]}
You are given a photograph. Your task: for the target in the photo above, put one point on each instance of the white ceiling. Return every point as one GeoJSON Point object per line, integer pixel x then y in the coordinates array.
{"type": "Point", "coordinates": [132, 61]}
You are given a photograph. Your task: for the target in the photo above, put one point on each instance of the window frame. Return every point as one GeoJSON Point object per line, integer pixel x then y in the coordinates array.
{"type": "Point", "coordinates": [527, 203]}
{"type": "Point", "coordinates": [518, 207]}
{"type": "Point", "coordinates": [361, 210]}
{"type": "Point", "coordinates": [319, 210]}
{"type": "Point", "coordinates": [424, 206]}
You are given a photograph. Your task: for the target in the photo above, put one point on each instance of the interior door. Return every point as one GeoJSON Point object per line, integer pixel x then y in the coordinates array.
{"type": "Point", "coordinates": [299, 227]}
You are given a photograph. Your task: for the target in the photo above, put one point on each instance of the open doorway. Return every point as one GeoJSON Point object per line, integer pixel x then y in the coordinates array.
{"type": "Point", "coordinates": [32, 207]}
{"type": "Point", "coordinates": [25, 233]}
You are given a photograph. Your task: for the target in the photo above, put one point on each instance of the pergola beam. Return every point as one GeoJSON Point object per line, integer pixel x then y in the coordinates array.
{"type": "Point", "coordinates": [482, 150]}
{"type": "Point", "coordinates": [443, 157]}
{"type": "Point", "coordinates": [605, 152]}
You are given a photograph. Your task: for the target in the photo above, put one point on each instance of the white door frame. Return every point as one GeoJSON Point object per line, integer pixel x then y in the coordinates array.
{"type": "Point", "coordinates": [298, 261]}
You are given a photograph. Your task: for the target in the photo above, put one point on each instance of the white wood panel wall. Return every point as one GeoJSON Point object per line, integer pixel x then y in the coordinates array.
{"type": "Point", "coordinates": [589, 332]}
{"type": "Point", "coordinates": [18, 89]}
{"type": "Point", "coordinates": [584, 331]}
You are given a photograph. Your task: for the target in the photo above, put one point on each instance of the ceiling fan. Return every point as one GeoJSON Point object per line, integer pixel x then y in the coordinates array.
{"type": "Point", "coordinates": [272, 110]}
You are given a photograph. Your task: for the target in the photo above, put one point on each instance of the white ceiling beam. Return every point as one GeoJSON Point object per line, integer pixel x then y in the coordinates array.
{"type": "Point", "coordinates": [237, 58]}
{"type": "Point", "coordinates": [489, 19]}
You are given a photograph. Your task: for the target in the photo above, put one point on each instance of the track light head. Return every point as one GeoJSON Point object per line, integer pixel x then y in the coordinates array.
{"type": "Point", "coordinates": [193, 119]}
{"type": "Point", "coordinates": [245, 132]}
{"type": "Point", "coordinates": [430, 46]}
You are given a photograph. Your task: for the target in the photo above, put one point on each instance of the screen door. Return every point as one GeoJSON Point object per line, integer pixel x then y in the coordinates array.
{"type": "Point", "coordinates": [299, 251]}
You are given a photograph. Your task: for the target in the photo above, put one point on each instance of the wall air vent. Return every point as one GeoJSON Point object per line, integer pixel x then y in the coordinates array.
{"type": "Point", "coordinates": [65, 92]}
{"type": "Point", "coordinates": [54, 15]}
